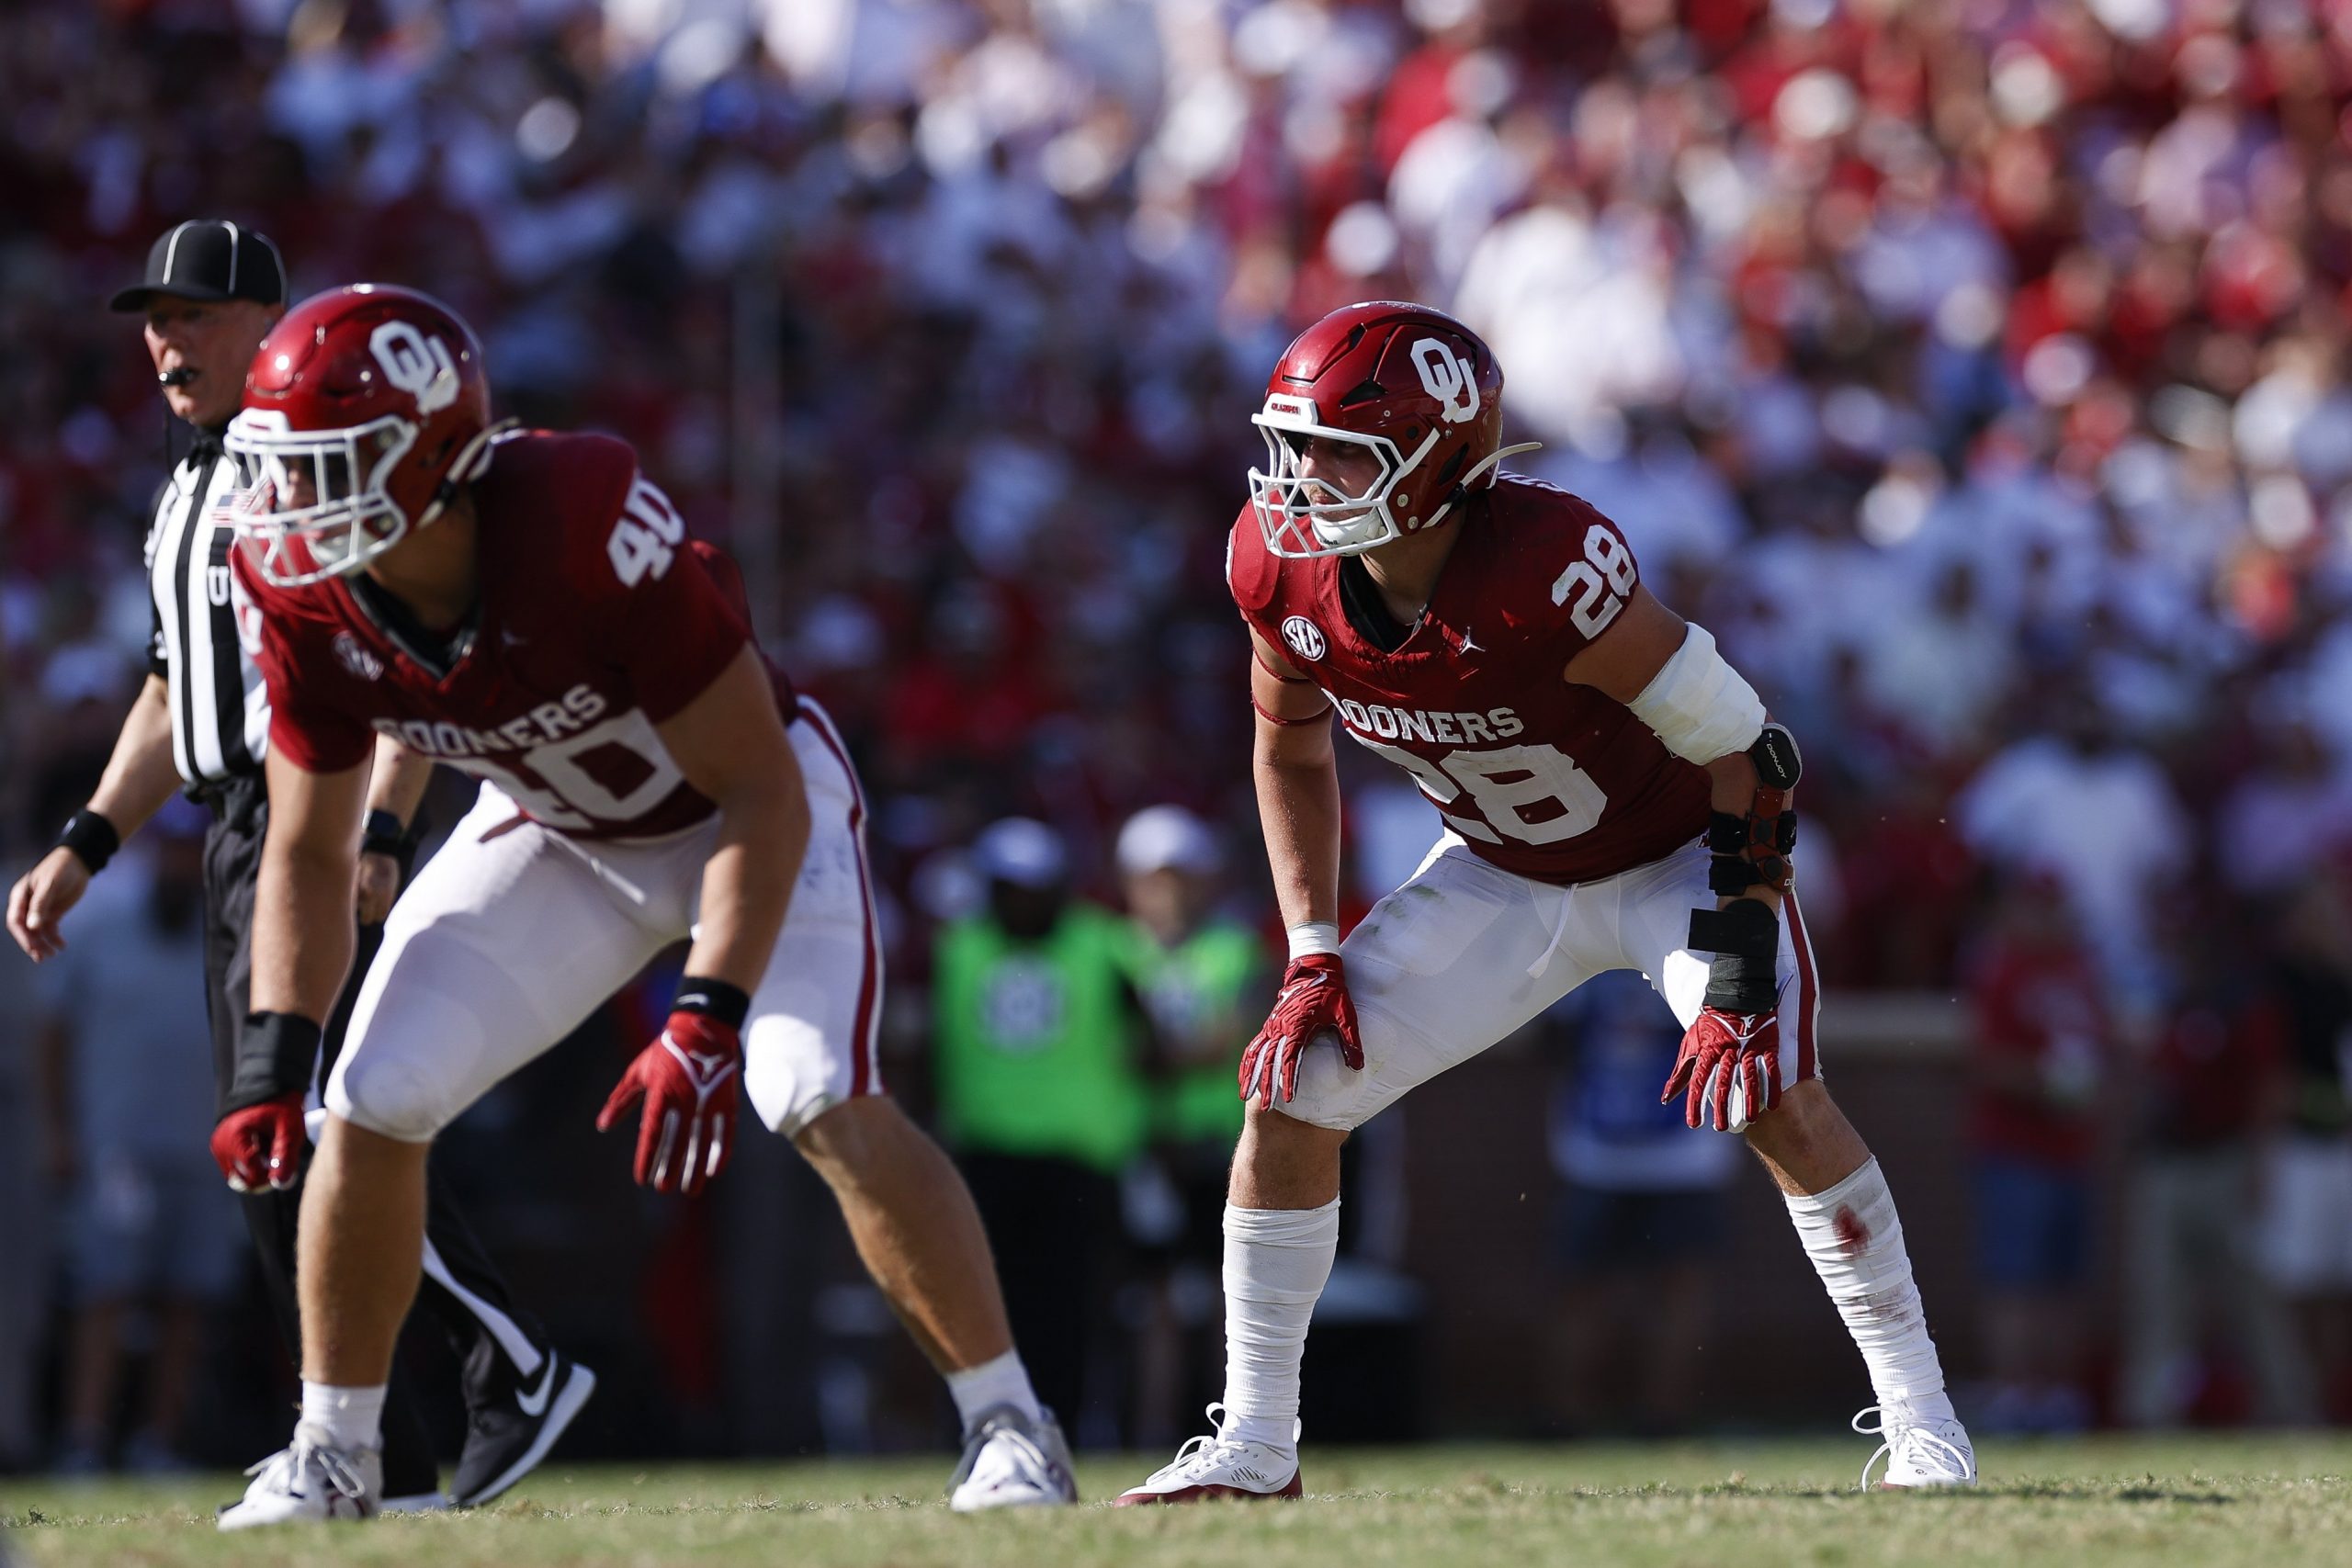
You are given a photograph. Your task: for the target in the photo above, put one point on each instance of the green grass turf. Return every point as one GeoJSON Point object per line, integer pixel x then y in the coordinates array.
{"type": "Point", "coordinates": [2176, 1501]}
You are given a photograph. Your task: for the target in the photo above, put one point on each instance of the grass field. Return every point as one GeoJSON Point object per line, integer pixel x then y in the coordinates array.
{"type": "Point", "coordinates": [2175, 1501]}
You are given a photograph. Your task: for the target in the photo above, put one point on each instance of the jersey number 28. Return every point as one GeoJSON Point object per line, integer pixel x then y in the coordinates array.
{"type": "Point", "coordinates": [1504, 783]}
{"type": "Point", "coordinates": [1599, 581]}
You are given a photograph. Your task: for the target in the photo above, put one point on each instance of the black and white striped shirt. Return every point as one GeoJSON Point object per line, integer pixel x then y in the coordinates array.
{"type": "Point", "coordinates": [219, 708]}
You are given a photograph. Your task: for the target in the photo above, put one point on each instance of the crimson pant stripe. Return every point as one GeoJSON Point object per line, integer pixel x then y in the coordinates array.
{"type": "Point", "coordinates": [866, 1068]}
{"type": "Point", "coordinates": [1808, 988]}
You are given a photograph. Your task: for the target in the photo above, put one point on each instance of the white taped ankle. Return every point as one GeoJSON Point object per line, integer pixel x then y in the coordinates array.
{"type": "Point", "coordinates": [1276, 1263]}
{"type": "Point", "coordinates": [1855, 1240]}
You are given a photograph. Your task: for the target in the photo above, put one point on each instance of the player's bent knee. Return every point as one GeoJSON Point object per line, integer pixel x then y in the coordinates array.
{"type": "Point", "coordinates": [1804, 1119]}
{"type": "Point", "coordinates": [1331, 1095]}
{"type": "Point", "coordinates": [389, 1096]}
{"type": "Point", "coordinates": [1293, 1121]}
{"type": "Point", "coordinates": [849, 1135]}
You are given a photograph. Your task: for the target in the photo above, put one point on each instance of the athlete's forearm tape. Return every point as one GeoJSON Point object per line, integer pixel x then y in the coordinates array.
{"type": "Point", "coordinates": [276, 1054]}
{"type": "Point", "coordinates": [1700, 706]}
{"type": "Point", "coordinates": [1745, 937]}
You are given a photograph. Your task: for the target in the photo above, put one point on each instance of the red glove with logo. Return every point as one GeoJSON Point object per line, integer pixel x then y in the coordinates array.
{"type": "Point", "coordinates": [1314, 1001]}
{"type": "Point", "coordinates": [688, 1078]}
{"type": "Point", "coordinates": [261, 1146]}
{"type": "Point", "coordinates": [1729, 1070]}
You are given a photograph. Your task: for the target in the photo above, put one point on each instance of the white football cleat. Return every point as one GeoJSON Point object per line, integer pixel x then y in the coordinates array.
{"type": "Point", "coordinates": [309, 1481]}
{"type": "Point", "coordinates": [1214, 1465]}
{"type": "Point", "coordinates": [1012, 1461]}
{"type": "Point", "coordinates": [1917, 1453]}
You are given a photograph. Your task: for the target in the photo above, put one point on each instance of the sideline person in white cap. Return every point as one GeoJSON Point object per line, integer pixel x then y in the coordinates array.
{"type": "Point", "coordinates": [1039, 1036]}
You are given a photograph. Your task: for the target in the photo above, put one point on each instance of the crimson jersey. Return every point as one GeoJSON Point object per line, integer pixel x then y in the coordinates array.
{"type": "Point", "coordinates": [598, 620]}
{"type": "Point", "coordinates": [1551, 781]}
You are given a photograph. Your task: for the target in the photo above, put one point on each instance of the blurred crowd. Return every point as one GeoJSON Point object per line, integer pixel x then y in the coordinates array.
{"type": "Point", "coordinates": [1973, 368]}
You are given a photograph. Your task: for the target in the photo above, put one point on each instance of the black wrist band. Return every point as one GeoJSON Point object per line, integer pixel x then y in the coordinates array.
{"type": "Point", "coordinates": [383, 834]}
{"type": "Point", "coordinates": [713, 998]}
{"type": "Point", "coordinates": [1744, 976]}
{"type": "Point", "coordinates": [91, 838]}
{"type": "Point", "coordinates": [276, 1054]}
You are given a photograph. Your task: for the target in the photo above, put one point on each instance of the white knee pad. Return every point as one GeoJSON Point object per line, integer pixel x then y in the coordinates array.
{"type": "Point", "coordinates": [388, 1095]}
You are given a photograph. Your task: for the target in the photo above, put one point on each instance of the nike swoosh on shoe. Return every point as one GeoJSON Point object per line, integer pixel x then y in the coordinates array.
{"type": "Point", "coordinates": [534, 1403]}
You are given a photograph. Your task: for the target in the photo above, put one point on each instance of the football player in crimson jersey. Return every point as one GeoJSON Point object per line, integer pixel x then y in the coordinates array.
{"type": "Point", "coordinates": [526, 608]}
{"type": "Point", "coordinates": [1613, 798]}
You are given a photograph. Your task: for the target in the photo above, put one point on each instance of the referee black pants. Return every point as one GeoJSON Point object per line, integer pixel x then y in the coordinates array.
{"type": "Point", "coordinates": [232, 864]}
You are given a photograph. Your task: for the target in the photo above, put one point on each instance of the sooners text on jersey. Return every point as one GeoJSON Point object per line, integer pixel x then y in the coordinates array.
{"type": "Point", "coordinates": [598, 620]}
{"type": "Point", "coordinates": [1551, 781]}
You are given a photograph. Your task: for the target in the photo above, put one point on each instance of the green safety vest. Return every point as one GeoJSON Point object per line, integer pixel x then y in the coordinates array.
{"type": "Point", "coordinates": [1036, 1051]}
{"type": "Point", "coordinates": [1203, 974]}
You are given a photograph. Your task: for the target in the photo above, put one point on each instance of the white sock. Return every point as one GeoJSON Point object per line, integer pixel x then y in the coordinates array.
{"type": "Point", "coordinates": [1851, 1233]}
{"type": "Point", "coordinates": [1276, 1261]}
{"type": "Point", "coordinates": [1003, 1381]}
{"type": "Point", "coordinates": [351, 1418]}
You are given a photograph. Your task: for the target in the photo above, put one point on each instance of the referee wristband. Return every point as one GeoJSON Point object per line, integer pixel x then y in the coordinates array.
{"type": "Point", "coordinates": [276, 1054]}
{"type": "Point", "coordinates": [1310, 937]}
{"type": "Point", "coordinates": [92, 839]}
{"type": "Point", "coordinates": [383, 835]}
{"type": "Point", "coordinates": [713, 998]}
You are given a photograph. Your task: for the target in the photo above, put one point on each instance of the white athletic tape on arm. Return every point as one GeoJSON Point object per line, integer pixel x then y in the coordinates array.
{"type": "Point", "coordinates": [1699, 705]}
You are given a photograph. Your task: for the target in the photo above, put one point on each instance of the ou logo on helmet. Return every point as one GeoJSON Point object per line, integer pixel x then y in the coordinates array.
{"type": "Point", "coordinates": [1448, 377]}
{"type": "Point", "coordinates": [417, 365]}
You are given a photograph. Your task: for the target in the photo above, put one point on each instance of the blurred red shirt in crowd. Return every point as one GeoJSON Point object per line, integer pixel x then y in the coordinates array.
{"type": "Point", "coordinates": [2219, 1069]}
{"type": "Point", "coordinates": [2042, 1034]}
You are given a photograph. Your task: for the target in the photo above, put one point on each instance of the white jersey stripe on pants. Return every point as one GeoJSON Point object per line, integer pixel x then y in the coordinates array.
{"type": "Point", "coordinates": [1808, 1010]}
{"type": "Point", "coordinates": [1465, 952]}
{"type": "Point", "coordinates": [514, 934]}
{"type": "Point", "coordinates": [867, 1069]}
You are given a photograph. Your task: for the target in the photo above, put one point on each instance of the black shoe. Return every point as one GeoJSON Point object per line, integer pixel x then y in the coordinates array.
{"type": "Point", "coordinates": [509, 1431]}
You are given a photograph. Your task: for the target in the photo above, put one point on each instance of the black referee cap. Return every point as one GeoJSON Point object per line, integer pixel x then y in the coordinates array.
{"type": "Point", "coordinates": [210, 258]}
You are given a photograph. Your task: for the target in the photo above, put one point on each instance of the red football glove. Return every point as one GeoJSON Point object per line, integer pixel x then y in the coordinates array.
{"type": "Point", "coordinates": [688, 1078]}
{"type": "Point", "coordinates": [261, 1146]}
{"type": "Point", "coordinates": [1314, 1002]}
{"type": "Point", "coordinates": [1729, 1069]}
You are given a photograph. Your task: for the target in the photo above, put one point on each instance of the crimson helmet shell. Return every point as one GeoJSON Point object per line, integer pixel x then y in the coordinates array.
{"type": "Point", "coordinates": [373, 399]}
{"type": "Point", "coordinates": [1419, 389]}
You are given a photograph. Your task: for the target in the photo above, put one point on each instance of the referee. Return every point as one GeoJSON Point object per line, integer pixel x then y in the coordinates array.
{"type": "Point", "coordinates": [211, 293]}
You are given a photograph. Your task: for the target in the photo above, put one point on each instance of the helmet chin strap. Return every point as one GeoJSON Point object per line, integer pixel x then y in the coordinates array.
{"type": "Point", "coordinates": [1462, 486]}
{"type": "Point", "coordinates": [473, 461]}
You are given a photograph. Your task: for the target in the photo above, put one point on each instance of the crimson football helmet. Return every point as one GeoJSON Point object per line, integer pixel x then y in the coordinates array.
{"type": "Point", "coordinates": [1417, 388]}
{"type": "Point", "coordinates": [365, 408]}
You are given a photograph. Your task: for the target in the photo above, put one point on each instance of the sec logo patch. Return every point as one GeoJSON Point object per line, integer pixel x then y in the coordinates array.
{"type": "Point", "coordinates": [356, 659]}
{"type": "Point", "coordinates": [1305, 638]}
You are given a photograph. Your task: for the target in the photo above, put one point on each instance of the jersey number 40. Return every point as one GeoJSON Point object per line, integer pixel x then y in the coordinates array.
{"type": "Point", "coordinates": [646, 538]}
